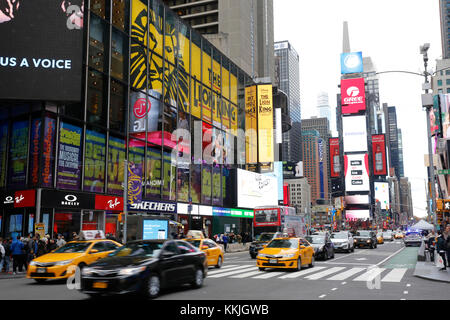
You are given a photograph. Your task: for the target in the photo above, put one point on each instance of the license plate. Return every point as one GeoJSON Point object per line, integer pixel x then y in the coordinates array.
{"type": "Point", "coordinates": [273, 261]}
{"type": "Point", "coordinates": [41, 270]}
{"type": "Point", "coordinates": [100, 285]}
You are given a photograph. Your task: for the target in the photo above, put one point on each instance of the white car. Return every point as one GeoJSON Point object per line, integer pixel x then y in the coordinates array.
{"type": "Point", "coordinates": [343, 241]}
{"type": "Point", "coordinates": [388, 236]}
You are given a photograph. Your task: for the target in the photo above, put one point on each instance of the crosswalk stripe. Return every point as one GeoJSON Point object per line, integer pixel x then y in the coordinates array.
{"type": "Point", "coordinates": [220, 275]}
{"type": "Point", "coordinates": [370, 274]}
{"type": "Point", "coordinates": [269, 275]}
{"type": "Point", "coordinates": [395, 275]}
{"type": "Point", "coordinates": [324, 273]}
{"type": "Point", "coordinates": [301, 273]}
{"type": "Point", "coordinates": [223, 269]}
{"type": "Point", "coordinates": [346, 274]}
{"type": "Point", "coordinates": [247, 274]}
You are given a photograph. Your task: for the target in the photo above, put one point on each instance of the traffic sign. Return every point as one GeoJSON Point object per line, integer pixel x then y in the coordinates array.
{"type": "Point", "coordinates": [443, 171]}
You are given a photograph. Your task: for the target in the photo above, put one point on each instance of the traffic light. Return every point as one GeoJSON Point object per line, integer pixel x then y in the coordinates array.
{"type": "Point", "coordinates": [439, 205]}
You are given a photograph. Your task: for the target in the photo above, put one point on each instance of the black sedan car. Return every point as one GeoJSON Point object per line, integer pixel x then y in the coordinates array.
{"type": "Point", "coordinates": [260, 240]}
{"type": "Point", "coordinates": [145, 267]}
{"type": "Point", "coordinates": [323, 247]}
{"type": "Point", "coordinates": [365, 238]}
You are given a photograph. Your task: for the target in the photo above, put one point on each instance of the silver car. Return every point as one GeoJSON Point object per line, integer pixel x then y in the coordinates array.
{"type": "Point", "coordinates": [412, 239]}
{"type": "Point", "coordinates": [388, 236]}
{"type": "Point", "coordinates": [343, 241]}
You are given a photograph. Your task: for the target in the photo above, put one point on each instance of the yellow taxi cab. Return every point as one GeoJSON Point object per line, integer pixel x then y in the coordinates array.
{"type": "Point", "coordinates": [214, 253]}
{"type": "Point", "coordinates": [398, 235]}
{"type": "Point", "coordinates": [380, 239]}
{"type": "Point", "coordinates": [286, 253]}
{"type": "Point", "coordinates": [62, 262]}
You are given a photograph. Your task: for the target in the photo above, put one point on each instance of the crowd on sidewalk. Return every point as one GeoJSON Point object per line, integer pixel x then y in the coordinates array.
{"type": "Point", "coordinates": [18, 253]}
{"type": "Point", "coordinates": [440, 243]}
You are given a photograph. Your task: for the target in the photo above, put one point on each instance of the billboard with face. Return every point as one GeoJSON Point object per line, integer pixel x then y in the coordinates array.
{"type": "Point", "coordinates": [356, 172]}
{"type": "Point", "coordinates": [353, 98]}
{"type": "Point", "coordinates": [41, 40]}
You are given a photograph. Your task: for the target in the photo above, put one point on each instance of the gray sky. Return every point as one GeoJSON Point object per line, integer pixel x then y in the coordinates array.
{"type": "Point", "coordinates": [390, 32]}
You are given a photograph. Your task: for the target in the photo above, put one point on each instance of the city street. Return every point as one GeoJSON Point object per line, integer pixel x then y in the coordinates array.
{"type": "Point", "coordinates": [346, 277]}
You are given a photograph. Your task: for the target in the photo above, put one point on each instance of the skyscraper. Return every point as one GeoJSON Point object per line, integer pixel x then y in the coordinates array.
{"type": "Point", "coordinates": [289, 82]}
{"type": "Point", "coordinates": [392, 140]}
{"type": "Point", "coordinates": [323, 106]}
{"type": "Point", "coordinates": [241, 29]}
{"type": "Point", "coordinates": [311, 170]}
{"type": "Point", "coordinates": [444, 10]}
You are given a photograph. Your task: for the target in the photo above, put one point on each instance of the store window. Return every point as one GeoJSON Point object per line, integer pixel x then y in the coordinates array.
{"type": "Point", "coordinates": [98, 42]}
{"type": "Point", "coordinates": [112, 224]}
{"type": "Point", "coordinates": [96, 98]}
{"type": "Point", "coordinates": [120, 14]}
{"type": "Point", "coordinates": [117, 106]}
{"type": "Point", "coordinates": [92, 220]}
{"type": "Point", "coordinates": [94, 161]}
{"type": "Point", "coordinates": [119, 52]}
{"type": "Point", "coordinates": [14, 227]}
{"type": "Point", "coordinates": [66, 223]}
{"type": "Point", "coordinates": [99, 7]}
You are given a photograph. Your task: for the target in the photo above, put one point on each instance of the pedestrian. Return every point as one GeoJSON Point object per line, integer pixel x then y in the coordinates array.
{"type": "Point", "coordinates": [51, 245]}
{"type": "Point", "coordinates": [225, 240]}
{"type": "Point", "coordinates": [60, 242]}
{"type": "Point", "coordinates": [41, 249]}
{"type": "Point", "coordinates": [7, 257]}
{"type": "Point", "coordinates": [446, 235]}
{"type": "Point", "coordinates": [74, 236]}
{"type": "Point", "coordinates": [2, 254]}
{"type": "Point", "coordinates": [17, 254]}
{"type": "Point", "coordinates": [441, 249]}
{"type": "Point", "coordinates": [430, 242]}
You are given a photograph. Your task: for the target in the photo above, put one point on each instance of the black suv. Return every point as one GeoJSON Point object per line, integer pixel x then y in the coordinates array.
{"type": "Point", "coordinates": [261, 240]}
{"type": "Point", "coordinates": [365, 238]}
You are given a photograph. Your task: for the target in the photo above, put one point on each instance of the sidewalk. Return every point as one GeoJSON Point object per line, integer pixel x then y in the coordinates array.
{"type": "Point", "coordinates": [428, 270]}
{"type": "Point", "coordinates": [4, 275]}
{"type": "Point", "coordinates": [236, 247]}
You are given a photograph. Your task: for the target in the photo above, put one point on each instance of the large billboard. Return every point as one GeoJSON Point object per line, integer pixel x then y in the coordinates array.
{"type": "Point", "coordinates": [41, 49]}
{"type": "Point", "coordinates": [354, 133]}
{"type": "Point", "coordinates": [442, 117]}
{"type": "Point", "coordinates": [265, 124]}
{"type": "Point", "coordinates": [379, 155]}
{"type": "Point", "coordinates": [356, 172]}
{"type": "Point", "coordinates": [254, 189]}
{"type": "Point", "coordinates": [251, 151]}
{"type": "Point", "coordinates": [353, 97]}
{"type": "Point", "coordinates": [382, 194]}
{"type": "Point", "coordinates": [357, 214]}
{"type": "Point", "coordinates": [335, 162]}
{"type": "Point", "coordinates": [351, 62]}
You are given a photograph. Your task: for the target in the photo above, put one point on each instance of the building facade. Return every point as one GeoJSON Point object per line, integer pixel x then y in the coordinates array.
{"type": "Point", "coordinates": [311, 168]}
{"type": "Point", "coordinates": [300, 194]}
{"type": "Point", "coordinates": [444, 13]}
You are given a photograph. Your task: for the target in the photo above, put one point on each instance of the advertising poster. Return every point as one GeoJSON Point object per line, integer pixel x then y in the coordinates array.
{"type": "Point", "coordinates": [250, 125]}
{"type": "Point", "coordinates": [382, 194]}
{"type": "Point", "coordinates": [435, 114]}
{"type": "Point", "coordinates": [48, 154]}
{"type": "Point", "coordinates": [34, 151]}
{"type": "Point", "coordinates": [18, 153]}
{"type": "Point", "coordinates": [351, 62]}
{"type": "Point", "coordinates": [335, 160]}
{"type": "Point", "coordinates": [155, 229]}
{"type": "Point", "coordinates": [116, 157]}
{"type": "Point", "coordinates": [256, 189]}
{"type": "Point", "coordinates": [134, 191]}
{"type": "Point", "coordinates": [354, 133]}
{"type": "Point", "coordinates": [321, 173]}
{"type": "Point", "coordinates": [356, 172]}
{"type": "Point", "coordinates": [144, 109]}
{"type": "Point", "coordinates": [3, 153]}
{"type": "Point", "coordinates": [94, 161]}
{"type": "Point", "coordinates": [353, 97]}
{"type": "Point", "coordinates": [357, 214]}
{"type": "Point", "coordinates": [379, 155]}
{"type": "Point", "coordinates": [69, 160]}
{"type": "Point", "coordinates": [444, 118]}
{"type": "Point", "coordinates": [265, 124]}
{"type": "Point", "coordinates": [41, 39]}
{"type": "Point", "coordinates": [266, 217]}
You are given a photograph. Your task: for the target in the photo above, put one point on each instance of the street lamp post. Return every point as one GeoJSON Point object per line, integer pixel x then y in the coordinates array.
{"type": "Point", "coordinates": [423, 51]}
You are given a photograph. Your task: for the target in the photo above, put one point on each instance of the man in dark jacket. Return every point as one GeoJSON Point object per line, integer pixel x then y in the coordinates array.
{"type": "Point", "coordinates": [441, 249]}
{"type": "Point", "coordinates": [17, 254]}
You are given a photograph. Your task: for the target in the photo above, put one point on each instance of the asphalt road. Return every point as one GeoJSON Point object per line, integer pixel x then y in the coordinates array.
{"type": "Point", "coordinates": [385, 273]}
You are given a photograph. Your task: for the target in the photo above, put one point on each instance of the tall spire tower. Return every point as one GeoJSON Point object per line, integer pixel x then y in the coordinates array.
{"type": "Point", "coordinates": [345, 39]}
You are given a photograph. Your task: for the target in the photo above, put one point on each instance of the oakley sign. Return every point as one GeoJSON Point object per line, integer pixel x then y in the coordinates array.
{"type": "Point", "coordinates": [353, 98]}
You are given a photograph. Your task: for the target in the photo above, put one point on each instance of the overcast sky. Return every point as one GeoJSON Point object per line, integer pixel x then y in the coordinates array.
{"type": "Point", "coordinates": [388, 31]}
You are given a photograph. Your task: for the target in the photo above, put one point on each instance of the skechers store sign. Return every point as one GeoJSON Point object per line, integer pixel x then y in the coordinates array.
{"type": "Point", "coordinates": [41, 40]}
{"type": "Point", "coordinates": [154, 206]}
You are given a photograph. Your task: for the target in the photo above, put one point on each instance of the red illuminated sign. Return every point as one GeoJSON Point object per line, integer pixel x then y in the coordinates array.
{"type": "Point", "coordinates": [24, 198]}
{"type": "Point", "coordinates": [141, 107]}
{"type": "Point", "coordinates": [108, 203]}
{"type": "Point", "coordinates": [353, 97]}
{"type": "Point", "coordinates": [335, 162]}
{"type": "Point", "coordinates": [379, 155]}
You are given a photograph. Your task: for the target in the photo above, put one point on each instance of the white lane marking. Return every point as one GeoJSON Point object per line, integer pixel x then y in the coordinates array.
{"type": "Point", "coordinates": [370, 274]}
{"type": "Point", "coordinates": [344, 282]}
{"type": "Point", "coordinates": [247, 274]}
{"type": "Point", "coordinates": [324, 273]}
{"type": "Point", "coordinates": [334, 289]}
{"type": "Point", "coordinates": [346, 274]}
{"type": "Point", "coordinates": [395, 275]}
{"type": "Point", "coordinates": [405, 292]}
{"type": "Point", "coordinates": [361, 259]}
{"type": "Point", "coordinates": [322, 296]}
{"type": "Point", "coordinates": [223, 269]}
{"type": "Point", "coordinates": [301, 273]}
{"type": "Point", "coordinates": [390, 256]}
{"type": "Point", "coordinates": [220, 275]}
{"type": "Point", "coordinates": [269, 275]}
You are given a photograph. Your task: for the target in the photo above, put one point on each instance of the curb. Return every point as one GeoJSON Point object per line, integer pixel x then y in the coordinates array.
{"type": "Point", "coordinates": [430, 278]}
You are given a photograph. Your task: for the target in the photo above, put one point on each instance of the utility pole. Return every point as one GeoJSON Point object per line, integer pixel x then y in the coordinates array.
{"type": "Point", "coordinates": [125, 200]}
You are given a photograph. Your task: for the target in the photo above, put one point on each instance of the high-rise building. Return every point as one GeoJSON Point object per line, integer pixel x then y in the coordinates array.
{"type": "Point", "coordinates": [300, 194]}
{"type": "Point", "coordinates": [323, 127]}
{"type": "Point", "coordinates": [287, 60]}
{"type": "Point", "coordinates": [241, 29]}
{"type": "Point", "coordinates": [311, 168]}
{"type": "Point", "coordinates": [406, 207]}
{"type": "Point", "coordinates": [401, 169]}
{"type": "Point", "coordinates": [392, 140]}
{"type": "Point", "coordinates": [444, 10]}
{"type": "Point", "coordinates": [440, 82]}
{"type": "Point", "coordinates": [323, 106]}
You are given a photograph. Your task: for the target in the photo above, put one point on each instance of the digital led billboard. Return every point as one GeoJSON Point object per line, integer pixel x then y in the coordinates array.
{"type": "Point", "coordinates": [379, 155]}
{"type": "Point", "coordinates": [356, 172]}
{"type": "Point", "coordinates": [382, 194]}
{"type": "Point", "coordinates": [354, 133]}
{"type": "Point", "coordinates": [334, 152]}
{"type": "Point", "coordinates": [353, 97]}
{"type": "Point", "coordinates": [41, 50]}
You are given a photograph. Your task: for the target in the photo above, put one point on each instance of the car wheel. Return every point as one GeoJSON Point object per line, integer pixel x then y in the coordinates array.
{"type": "Point", "coordinates": [219, 262]}
{"type": "Point", "coordinates": [299, 264]}
{"type": "Point", "coordinates": [312, 262]}
{"type": "Point", "coordinates": [332, 257]}
{"type": "Point", "coordinates": [253, 256]}
{"type": "Point", "coordinates": [152, 286]}
{"type": "Point", "coordinates": [198, 280]}
{"type": "Point", "coordinates": [40, 280]}
{"type": "Point", "coordinates": [262, 269]}
{"type": "Point", "coordinates": [353, 249]}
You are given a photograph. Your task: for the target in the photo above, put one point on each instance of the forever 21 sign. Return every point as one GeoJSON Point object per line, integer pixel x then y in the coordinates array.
{"type": "Point", "coordinates": [67, 199]}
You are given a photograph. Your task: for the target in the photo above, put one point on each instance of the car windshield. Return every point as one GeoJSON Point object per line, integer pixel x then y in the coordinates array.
{"type": "Point", "coordinates": [413, 234]}
{"type": "Point", "coordinates": [264, 237]}
{"type": "Point", "coordinates": [379, 234]}
{"type": "Point", "coordinates": [339, 236]}
{"type": "Point", "coordinates": [195, 243]}
{"type": "Point", "coordinates": [74, 247]}
{"type": "Point", "coordinates": [387, 234]}
{"type": "Point", "coordinates": [363, 233]}
{"type": "Point", "coordinates": [146, 249]}
{"type": "Point", "coordinates": [283, 243]}
{"type": "Point", "coordinates": [316, 239]}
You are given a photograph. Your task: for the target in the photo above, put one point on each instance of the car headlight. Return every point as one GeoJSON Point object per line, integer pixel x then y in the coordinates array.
{"type": "Point", "coordinates": [131, 271]}
{"type": "Point", "coordinates": [369, 241]}
{"type": "Point", "coordinates": [262, 255]}
{"type": "Point", "coordinates": [63, 263]}
{"type": "Point", "coordinates": [288, 255]}
{"type": "Point", "coordinates": [33, 263]}
{"type": "Point", "coordinates": [86, 271]}
{"type": "Point", "coordinates": [354, 240]}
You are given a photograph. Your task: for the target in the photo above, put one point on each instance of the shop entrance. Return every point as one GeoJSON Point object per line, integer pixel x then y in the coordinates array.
{"type": "Point", "coordinates": [66, 223]}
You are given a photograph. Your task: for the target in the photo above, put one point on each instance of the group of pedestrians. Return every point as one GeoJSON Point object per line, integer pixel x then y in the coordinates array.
{"type": "Point", "coordinates": [226, 238]}
{"type": "Point", "coordinates": [21, 250]}
{"type": "Point", "coordinates": [443, 247]}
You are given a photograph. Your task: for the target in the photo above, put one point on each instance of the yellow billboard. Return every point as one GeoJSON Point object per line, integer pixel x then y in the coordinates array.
{"type": "Point", "coordinates": [250, 125]}
{"type": "Point", "coordinates": [265, 123]}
